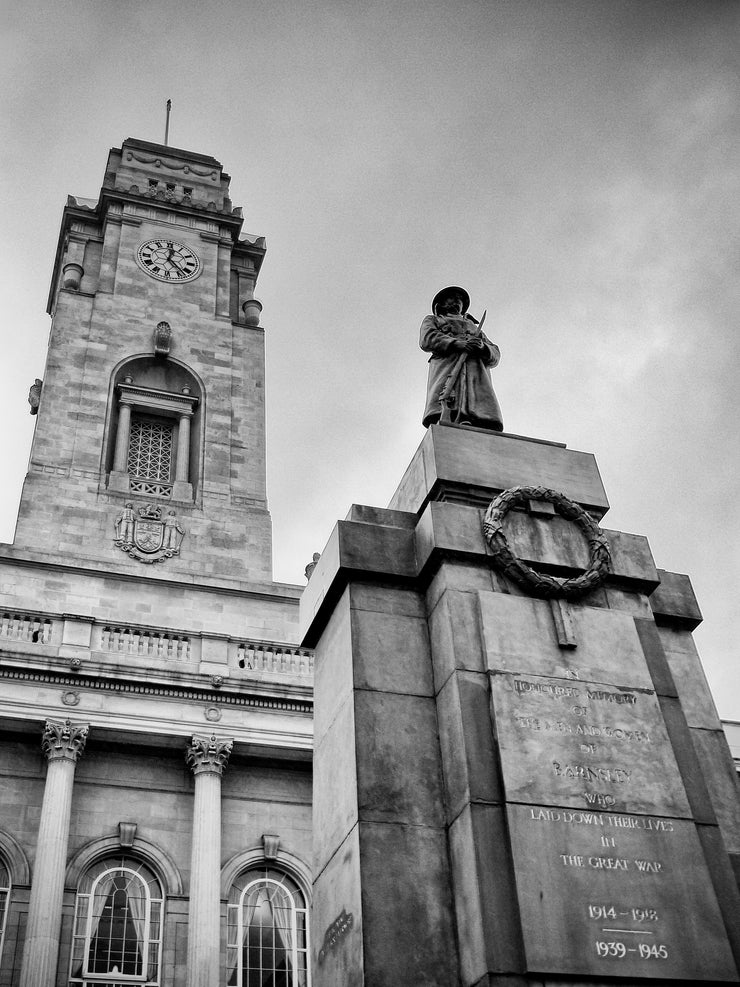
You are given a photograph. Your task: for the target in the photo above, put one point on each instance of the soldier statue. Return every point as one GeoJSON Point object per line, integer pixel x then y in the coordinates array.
{"type": "Point", "coordinates": [459, 389]}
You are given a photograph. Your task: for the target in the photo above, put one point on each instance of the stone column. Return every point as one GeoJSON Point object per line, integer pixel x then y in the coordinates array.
{"type": "Point", "coordinates": [124, 427]}
{"type": "Point", "coordinates": [119, 478]}
{"type": "Point", "coordinates": [183, 449]}
{"type": "Point", "coordinates": [62, 743]}
{"type": "Point", "coordinates": [207, 757]}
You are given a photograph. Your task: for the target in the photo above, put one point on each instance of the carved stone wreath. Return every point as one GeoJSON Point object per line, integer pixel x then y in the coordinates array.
{"type": "Point", "coordinates": [537, 583]}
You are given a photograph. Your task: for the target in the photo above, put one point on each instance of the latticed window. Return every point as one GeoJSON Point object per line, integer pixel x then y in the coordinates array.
{"type": "Point", "coordinates": [150, 450]}
{"type": "Point", "coordinates": [4, 901]}
{"type": "Point", "coordinates": [267, 931]}
{"type": "Point", "coordinates": [117, 935]}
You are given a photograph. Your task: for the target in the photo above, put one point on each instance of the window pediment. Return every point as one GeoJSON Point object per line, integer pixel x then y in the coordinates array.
{"type": "Point", "coordinates": [154, 399]}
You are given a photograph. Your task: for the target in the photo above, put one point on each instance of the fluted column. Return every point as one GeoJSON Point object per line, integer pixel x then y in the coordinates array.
{"type": "Point", "coordinates": [207, 757]}
{"type": "Point", "coordinates": [62, 743]}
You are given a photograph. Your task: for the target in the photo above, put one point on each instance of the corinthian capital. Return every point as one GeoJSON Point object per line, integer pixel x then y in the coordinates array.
{"type": "Point", "coordinates": [208, 754]}
{"type": "Point", "coordinates": [64, 740]}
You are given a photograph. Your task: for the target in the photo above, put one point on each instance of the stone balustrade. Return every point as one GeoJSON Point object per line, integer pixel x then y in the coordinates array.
{"type": "Point", "coordinates": [137, 641]}
{"type": "Point", "coordinates": [80, 637]}
{"type": "Point", "coordinates": [260, 656]}
{"type": "Point", "coordinates": [32, 628]}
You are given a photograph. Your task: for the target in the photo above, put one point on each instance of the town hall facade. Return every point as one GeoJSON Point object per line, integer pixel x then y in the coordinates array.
{"type": "Point", "coordinates": [155, 707]}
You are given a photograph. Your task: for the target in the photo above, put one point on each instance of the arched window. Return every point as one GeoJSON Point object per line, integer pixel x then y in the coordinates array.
{"type": "Point", "coordinates": [118, 925]}
{"type": "Point", "coordinates": [267, 936]}
{"type": "Point", "coordinates": [153, 437]}
{"type": "Point", "coordinates": [4, 900]}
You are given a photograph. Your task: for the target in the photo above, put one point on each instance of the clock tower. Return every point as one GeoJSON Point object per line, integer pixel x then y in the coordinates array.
{"type": "Point", "coordinates": [153, 392]}
{"type": "Point", "coordinates": [155, 707]}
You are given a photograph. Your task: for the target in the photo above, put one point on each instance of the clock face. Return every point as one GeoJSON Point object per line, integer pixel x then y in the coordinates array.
{"type": "Point", "coordinates": [168, 260]}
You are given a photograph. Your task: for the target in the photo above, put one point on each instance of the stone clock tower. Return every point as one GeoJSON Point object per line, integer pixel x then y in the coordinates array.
{"type": "Point", "coordinates": [155, 709]}
{"type": "Point", "coordinates": [154, 385]}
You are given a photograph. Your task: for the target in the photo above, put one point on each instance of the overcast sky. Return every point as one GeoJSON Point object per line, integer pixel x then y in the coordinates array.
{"type": "Point", "coordinates": [573, 164]}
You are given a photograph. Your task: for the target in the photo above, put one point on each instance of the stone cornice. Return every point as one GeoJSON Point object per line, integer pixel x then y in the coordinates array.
{"type": "Point", "coordinates": [164, 691]}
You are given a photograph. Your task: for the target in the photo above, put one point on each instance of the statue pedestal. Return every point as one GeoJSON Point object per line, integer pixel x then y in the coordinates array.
{"type": "Point", "coordinates": [506, 785]}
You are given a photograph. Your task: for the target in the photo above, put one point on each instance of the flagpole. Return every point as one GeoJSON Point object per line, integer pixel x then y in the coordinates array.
{"type": "Point", "coordinates": [167, 123]}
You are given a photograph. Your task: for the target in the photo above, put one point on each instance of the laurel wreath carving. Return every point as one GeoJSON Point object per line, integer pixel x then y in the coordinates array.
{"type": "Point", "coordinates": [537, 583]}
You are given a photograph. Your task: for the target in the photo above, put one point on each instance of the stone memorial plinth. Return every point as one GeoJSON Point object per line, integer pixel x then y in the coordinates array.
{"type": "Point", "coordinates": [509, 787]}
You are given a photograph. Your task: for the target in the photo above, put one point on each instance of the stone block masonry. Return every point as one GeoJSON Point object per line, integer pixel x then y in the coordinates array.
{"type": "Point", "coordinates": [527, 789]}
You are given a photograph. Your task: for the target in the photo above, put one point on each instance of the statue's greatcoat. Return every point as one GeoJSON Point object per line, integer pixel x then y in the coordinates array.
{"type": "Point", "coordinates": [474, 399]}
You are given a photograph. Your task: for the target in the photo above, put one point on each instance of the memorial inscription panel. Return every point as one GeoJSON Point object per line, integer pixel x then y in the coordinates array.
{"type": "Point", "coordinates": [610, 874]}
{"type": "Point", "coordinates": [575, 743]}
{"type": "Point", "coordinates": [615, 894]}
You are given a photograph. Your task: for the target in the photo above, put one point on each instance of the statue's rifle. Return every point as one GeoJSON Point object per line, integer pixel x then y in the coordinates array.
{"type": "Point", "coordinates": [446, 398]}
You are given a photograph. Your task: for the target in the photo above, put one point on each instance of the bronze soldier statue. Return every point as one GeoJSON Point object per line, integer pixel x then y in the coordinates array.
{"type": "Point", "coordinates": [459, 388]}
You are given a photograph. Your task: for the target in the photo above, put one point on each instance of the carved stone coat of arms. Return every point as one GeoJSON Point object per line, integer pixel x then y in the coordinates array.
{"type": "Point", "coordinates": [144, 534]}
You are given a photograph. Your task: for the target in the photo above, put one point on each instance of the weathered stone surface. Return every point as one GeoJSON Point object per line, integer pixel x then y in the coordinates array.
{"type": "Point", "coordinates": [336, 918]}
{"type": "Point", "coordinates": [453, 532]}
{"type": "Point", "coordinates": [333, 675]}
{"type": "Point", "coordinates": [583, 744]}
{"type": "Point", "coordinates": [397, 759]}
{"type": "Point", "coordinates": [454, 634]}
{"type": "Point", "coordinates": [354, 547]}
{"type": "Point", "coordinates": [519, 634]}
{"type": "Point", "coordinates": [468, 462]}
{"type": "Point", "coordinates": [587, 878]}
{"type": "Point", "coordinates": [391, 653]}
{"type": "Point", "coordinates": [471, 768]}
{"type": "Point", "coordinates": [335, 769]}
{"type": "Point", "coordinates": [720, 776]}
{"type": "Point", "coordinates": [571, 786]}
{"type": "Point", "coordinates": [689, 678]}
{"type": "Point", "coordinates": [674, 601]}
{"type": "Point", "coordinates": [655, 658]}
{"type": "Point", "coordinates": [482, 871]}
{"type": "Point", "coordinates": [687, 760]}
{"type": "Point", "coordinates": [727, 889]}
{"type": "Point", "coordinates": [459, 576]}
{"type": "Point", "coordinates": [408, 922]}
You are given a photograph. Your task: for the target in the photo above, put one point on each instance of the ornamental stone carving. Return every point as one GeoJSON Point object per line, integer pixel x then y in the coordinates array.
{"type": "Point", "coordinates": [208, 754]}
{"type": "Point", "coordinates": [537, 583]}
{"type": "Point", "coordinates": [64, 740]}
{"type": "Point", "coordinates": [34, 395]}
{"type": "Point", "coordinates": [145, 535]}
{"type": "Point", "coordinates": [127, 833]}
{"type": "Point", "coordinates": [162, 339]}
{"type": "Point", "coordinates": [271, 844]}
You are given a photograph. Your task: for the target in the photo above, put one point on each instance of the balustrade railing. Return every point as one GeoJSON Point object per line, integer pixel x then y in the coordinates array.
{"type": "Point", "coordinates": [25, 627]}
{"type": "Point", "coordinates": [145, 643]}
{"type": "Point", "coordinates": [141, 642]}
{"type": "Point", "coordinates": [260, 656]}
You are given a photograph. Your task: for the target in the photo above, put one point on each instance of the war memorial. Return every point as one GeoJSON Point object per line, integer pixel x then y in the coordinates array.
{"type": "Point", "coordinates": [519, 773]}
{"type": "Point", "coordinates": [519, 776]}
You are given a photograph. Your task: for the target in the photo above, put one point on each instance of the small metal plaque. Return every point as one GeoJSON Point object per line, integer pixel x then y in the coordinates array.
{"type": "Point", "coordinates": [606, 894]}
{"type": "Point", "coordinates": [583, 744]}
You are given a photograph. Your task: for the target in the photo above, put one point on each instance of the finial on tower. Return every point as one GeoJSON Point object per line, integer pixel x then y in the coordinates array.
{"type": "Point", "coordinates": [167, 123]}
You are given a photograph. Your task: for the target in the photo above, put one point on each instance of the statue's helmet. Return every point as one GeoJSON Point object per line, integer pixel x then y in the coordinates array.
{"type": "Point", "coordinates": [451, 290]}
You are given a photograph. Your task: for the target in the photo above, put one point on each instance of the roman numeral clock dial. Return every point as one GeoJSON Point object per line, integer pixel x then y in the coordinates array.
{"type": "Point", "coordinates": [168, 260]}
